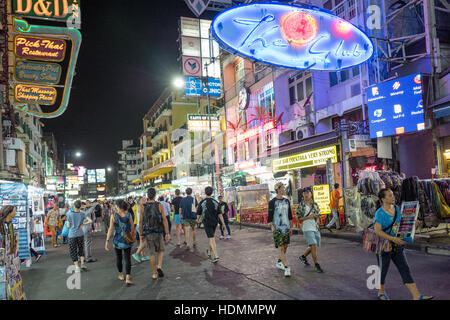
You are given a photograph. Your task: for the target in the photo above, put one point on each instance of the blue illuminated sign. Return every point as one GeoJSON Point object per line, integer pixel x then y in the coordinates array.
{"type": "Point", "coordinates": [396, 107]}
{"type": "Point", "coordinates": [195, 87]}
{"type": "Point", "coordinates": [291, 36]}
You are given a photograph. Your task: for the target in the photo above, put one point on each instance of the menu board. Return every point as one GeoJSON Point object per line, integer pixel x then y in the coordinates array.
{"type": "Point", "coordinates": [407, 227]}
{"type": "Point", "coordinates": [322, 198]}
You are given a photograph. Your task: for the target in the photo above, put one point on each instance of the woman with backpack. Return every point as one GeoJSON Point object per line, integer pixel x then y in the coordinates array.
{"type": "Point", "coordinates": [386, 222]}
{"type": "Point", "coordinates": [122, 225]}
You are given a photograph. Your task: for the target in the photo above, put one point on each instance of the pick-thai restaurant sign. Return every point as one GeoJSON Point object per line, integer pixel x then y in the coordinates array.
{"type": "Point", "coordinates": [292, 36]}
{"type": "Point", "coordinates": [38, 48]}
{"type": "Point", "coordinates": [35, 94]}
{"type": "Point", "coordinates": [27, 71]}
{"type": "Point", "coordinates": [48, 9]}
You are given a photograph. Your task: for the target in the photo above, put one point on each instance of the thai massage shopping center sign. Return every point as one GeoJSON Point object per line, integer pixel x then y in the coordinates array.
{"type": "Point", "coordinates": [37, 48]}
{"type": "Point", "coordinates": [48, 9]}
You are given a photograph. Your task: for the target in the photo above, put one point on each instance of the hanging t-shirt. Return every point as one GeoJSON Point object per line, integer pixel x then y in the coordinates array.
{"type": "Point", "coordinates": [280, 214]}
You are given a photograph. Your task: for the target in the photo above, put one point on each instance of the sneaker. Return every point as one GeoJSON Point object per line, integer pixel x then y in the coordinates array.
{"type": "Point", "coordinates": [146, 258]}
{"type": "Point", "coordinates": [77, 270]}
{"type": "Point", "coordinates": [137, 258]}
{"type": "Point", "coordinates": [287, 272]}
{"type": "Point", "coordinates": [160, 273]}
{"type": "Point", "coordinates": [304, 260]}
{"type": "Point", "coordinates": [318, 268]}
{"type": "Point", "coordinates": [38, 257]}
{"type": "Point", "coordinates": [221, 237]}
{"type": "Point", "coordinates": [280, 265]}
{"type": "Point", "coordinates": [83, 267]}
{"type": "Point", "coordinates": [208, 254]}
{"type": "Point", "coordinates": [215, 260]}
{"type": "Point", "coordinates": [228, 237]}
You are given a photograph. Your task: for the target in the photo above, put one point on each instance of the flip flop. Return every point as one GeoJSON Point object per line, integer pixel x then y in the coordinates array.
{"type": "Point", "coordinates": [153, 277]}
{"type": "Point", "coordinates": [422, 297]}
{"type": "Point", "coordinates": [129, 284]}
{"type": "Point", "coordinates": [383, 295]}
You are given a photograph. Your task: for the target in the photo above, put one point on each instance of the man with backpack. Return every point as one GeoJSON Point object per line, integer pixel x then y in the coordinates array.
{"type": "Point", "coordinates": [209, 213]}
{"type": "Point", "coordinates": [152, 225]}
{"type": "Point", "coordinates": [188, 210]}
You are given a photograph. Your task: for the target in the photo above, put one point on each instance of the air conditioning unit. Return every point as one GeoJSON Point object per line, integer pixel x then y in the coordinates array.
{"type": "Point", "coordinates": [303, 132]}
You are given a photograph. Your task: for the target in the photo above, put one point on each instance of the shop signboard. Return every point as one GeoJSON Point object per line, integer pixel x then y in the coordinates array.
{"type": "Point", "coordinates": [101, 175]}
{"type": "Point", "coordinates": [28, 71]}
{"type": "Point", "coordinates": [200, 122]}
{"type": "Point", "coordinates": [51, 10]}
{"type": "Point", "coordinates": [192, 66]}
{"type": "Point", "coordinates": [35, 94]}
{"type": "Point", "coordinates": [317, 157]}
{"type": "Point", "coordinates": [322, 198]}
{"type": "Point", "coordinates": [92, 176]}
{"type": "Point", "coordinates": [38, 48]}
{"type": "Point", "coordinates": [195, 87]}
{"type": "Point", "coordinates": [396, 107]}
{"type": "Point", "coordinates": [292, 36]}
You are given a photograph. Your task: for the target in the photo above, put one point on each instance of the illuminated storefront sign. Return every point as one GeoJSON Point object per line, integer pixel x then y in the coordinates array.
{"type": "Point", "coordinates": [40, 48]}
{"type": "Point", "coordinates": [312, 158]}
{"type": "Point", "coordinates": [200, 122]}
{"type": "Point", "coordinates": [38, 72]}
{"type": "Point", "coordinates": [50, 9]}
{"type": "Point", "coordinates": [101, 175]}
{"type": "Point", "coordinates": [195, 87]}
{"type": "Point", "coordinates": [292, 36]}
{"type": "Point", "coordinates": [322, 198]}
{"type": "Point", "coordinates": [91, 174]}
{"type": "Point", "coordinates": [35, 94]}
{"type": "Point", "coordinates": [245, 165]}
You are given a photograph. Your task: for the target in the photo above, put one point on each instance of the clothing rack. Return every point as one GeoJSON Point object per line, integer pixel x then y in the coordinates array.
{"type": "Point", "coordinates": [440, 179]}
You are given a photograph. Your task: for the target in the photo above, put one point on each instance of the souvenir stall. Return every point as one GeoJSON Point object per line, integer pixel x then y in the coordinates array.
{"type": "Point", "coordinates": [14, 246]}
{"type": "Point", "coordinates": [434, 200]}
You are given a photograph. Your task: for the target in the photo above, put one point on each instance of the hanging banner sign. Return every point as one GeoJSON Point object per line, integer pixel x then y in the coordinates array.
{"type": "Point", "coordinates": [28, 71]}
{"type": "Point", "coordinates": [322, 198]}
{"type": "Point", "coordinates": [38, 48]}
{"type": "Point", "coordinates": [50, 9]}
{"type": "Point", "coordinates": [35, 94]}
{"type": "Point", "coordinates": [292, 36]}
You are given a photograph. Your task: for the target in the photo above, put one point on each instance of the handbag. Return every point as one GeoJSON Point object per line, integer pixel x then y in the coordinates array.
{"type": "Point", "coordinates": [374, 243]}
{"type": "Point", "coordinates": [128, 236]}
{"type": "Point", "coordinates": [60, 224]}
{"type": "Point", "coordinates": [65, 230]}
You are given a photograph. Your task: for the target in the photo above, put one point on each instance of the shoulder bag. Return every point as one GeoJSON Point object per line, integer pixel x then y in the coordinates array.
{"type": "Point", "coordinates": [374, 243]}
{"type": "Point", "coordinates": [128, 236]}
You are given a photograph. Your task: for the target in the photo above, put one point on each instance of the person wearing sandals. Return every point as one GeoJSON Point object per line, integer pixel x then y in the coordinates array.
{"type": "Point", "coordinates": [384, 220]}
{"type": "Point", "coordinates": [121, 223]}
{"type": "Point", "coordinates": [152, 225]}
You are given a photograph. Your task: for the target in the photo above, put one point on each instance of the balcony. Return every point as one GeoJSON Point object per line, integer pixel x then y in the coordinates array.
{"type": "Point", "coordinates": [165, 111]}
{"type": "Point", "coordinates": [151, 129]}
{"type": "Point", "coordinates": [159, 150]}
{"type": "Point", "coordinates": [248, 80]}
{"type": "Point", "coordinates": [158, 134]}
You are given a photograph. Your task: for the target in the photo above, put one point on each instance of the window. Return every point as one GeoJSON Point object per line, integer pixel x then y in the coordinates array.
{"type": "Point", "coordinates": [300, 92]}
{"type": "Point", "coordinates": [344, 75]}
{"type": "Point", "coordinates": [333, 79]}
{"type": "Point", "coordinates": [239, 70]}
{"type": "Point", "coordinates": [327, 5]}
{"type": "Point", "coordinates": [308, 84]}
{"type": "Point", "coordinates": [292, 95]}
{"type": "Point", "coordinates": [355, 71]}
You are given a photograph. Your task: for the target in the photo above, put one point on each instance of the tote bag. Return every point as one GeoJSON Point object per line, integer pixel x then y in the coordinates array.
{"type": "Point", "coordinates": [373, 243]}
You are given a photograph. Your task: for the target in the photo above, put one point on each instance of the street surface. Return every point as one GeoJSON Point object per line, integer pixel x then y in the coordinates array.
{"type": "Point", "coordinates": [246, 270]}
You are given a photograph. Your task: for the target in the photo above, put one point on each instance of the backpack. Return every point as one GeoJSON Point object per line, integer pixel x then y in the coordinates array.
{"type": "Point", "coordinates": [152, 219]}
{"type": "Point", "coordinates": [98, 211]}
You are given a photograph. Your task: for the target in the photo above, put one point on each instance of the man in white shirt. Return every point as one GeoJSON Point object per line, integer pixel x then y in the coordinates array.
{"type": "Point", "coordinates": [167, 211]}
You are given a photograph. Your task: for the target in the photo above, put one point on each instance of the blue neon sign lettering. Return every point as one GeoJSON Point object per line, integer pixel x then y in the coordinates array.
{"type": "Point", "coordinates": [258, 31]}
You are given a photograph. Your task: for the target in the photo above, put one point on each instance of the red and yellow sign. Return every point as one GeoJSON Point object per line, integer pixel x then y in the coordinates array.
{"type": "Point", "coordinates": [35, 94]}
{"type": "Point", "coordinates": [38, 48]}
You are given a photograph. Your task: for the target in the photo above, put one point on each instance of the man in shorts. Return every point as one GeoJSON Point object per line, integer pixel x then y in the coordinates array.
{"type": "Point", "coordinates": [153, 234]}
{"type": "Point", "coordinates": [188, 210]}
{"type": "Point", "coordinates": [177, 216]}
{"type": "Point", "coordinates": [209, 213]}
{"type": "Point", "coordinates": [280, 221]}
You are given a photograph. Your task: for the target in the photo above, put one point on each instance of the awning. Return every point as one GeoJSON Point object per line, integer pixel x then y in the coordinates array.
{"type": "Point", "coordinates": [157, 173]}
{"type": "Point", "coordinates": [160, 169]}
{"type": "Point", "coordinates": [136, 181]}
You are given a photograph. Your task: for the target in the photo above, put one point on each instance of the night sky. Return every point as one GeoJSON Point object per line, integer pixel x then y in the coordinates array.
{"type": "Point", "coordinates": [127, 56]}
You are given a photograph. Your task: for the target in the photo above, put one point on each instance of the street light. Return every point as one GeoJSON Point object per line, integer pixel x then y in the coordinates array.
{"type": "Point", "coordinates": [179, 83]}
{"type": "Point", "coordinates": [109, 169]}
{"type": "Point", "coordinates": [78, 154]}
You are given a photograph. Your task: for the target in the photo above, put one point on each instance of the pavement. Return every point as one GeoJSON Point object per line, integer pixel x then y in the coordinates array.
{"type": "Point", "coordinates": [438, 245]}
{"type": "Point", "coordinates": [246, 270]}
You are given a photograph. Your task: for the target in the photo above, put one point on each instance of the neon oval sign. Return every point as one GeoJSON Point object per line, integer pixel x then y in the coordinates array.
{"type": "Point", "coordinates": [292, 36]}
